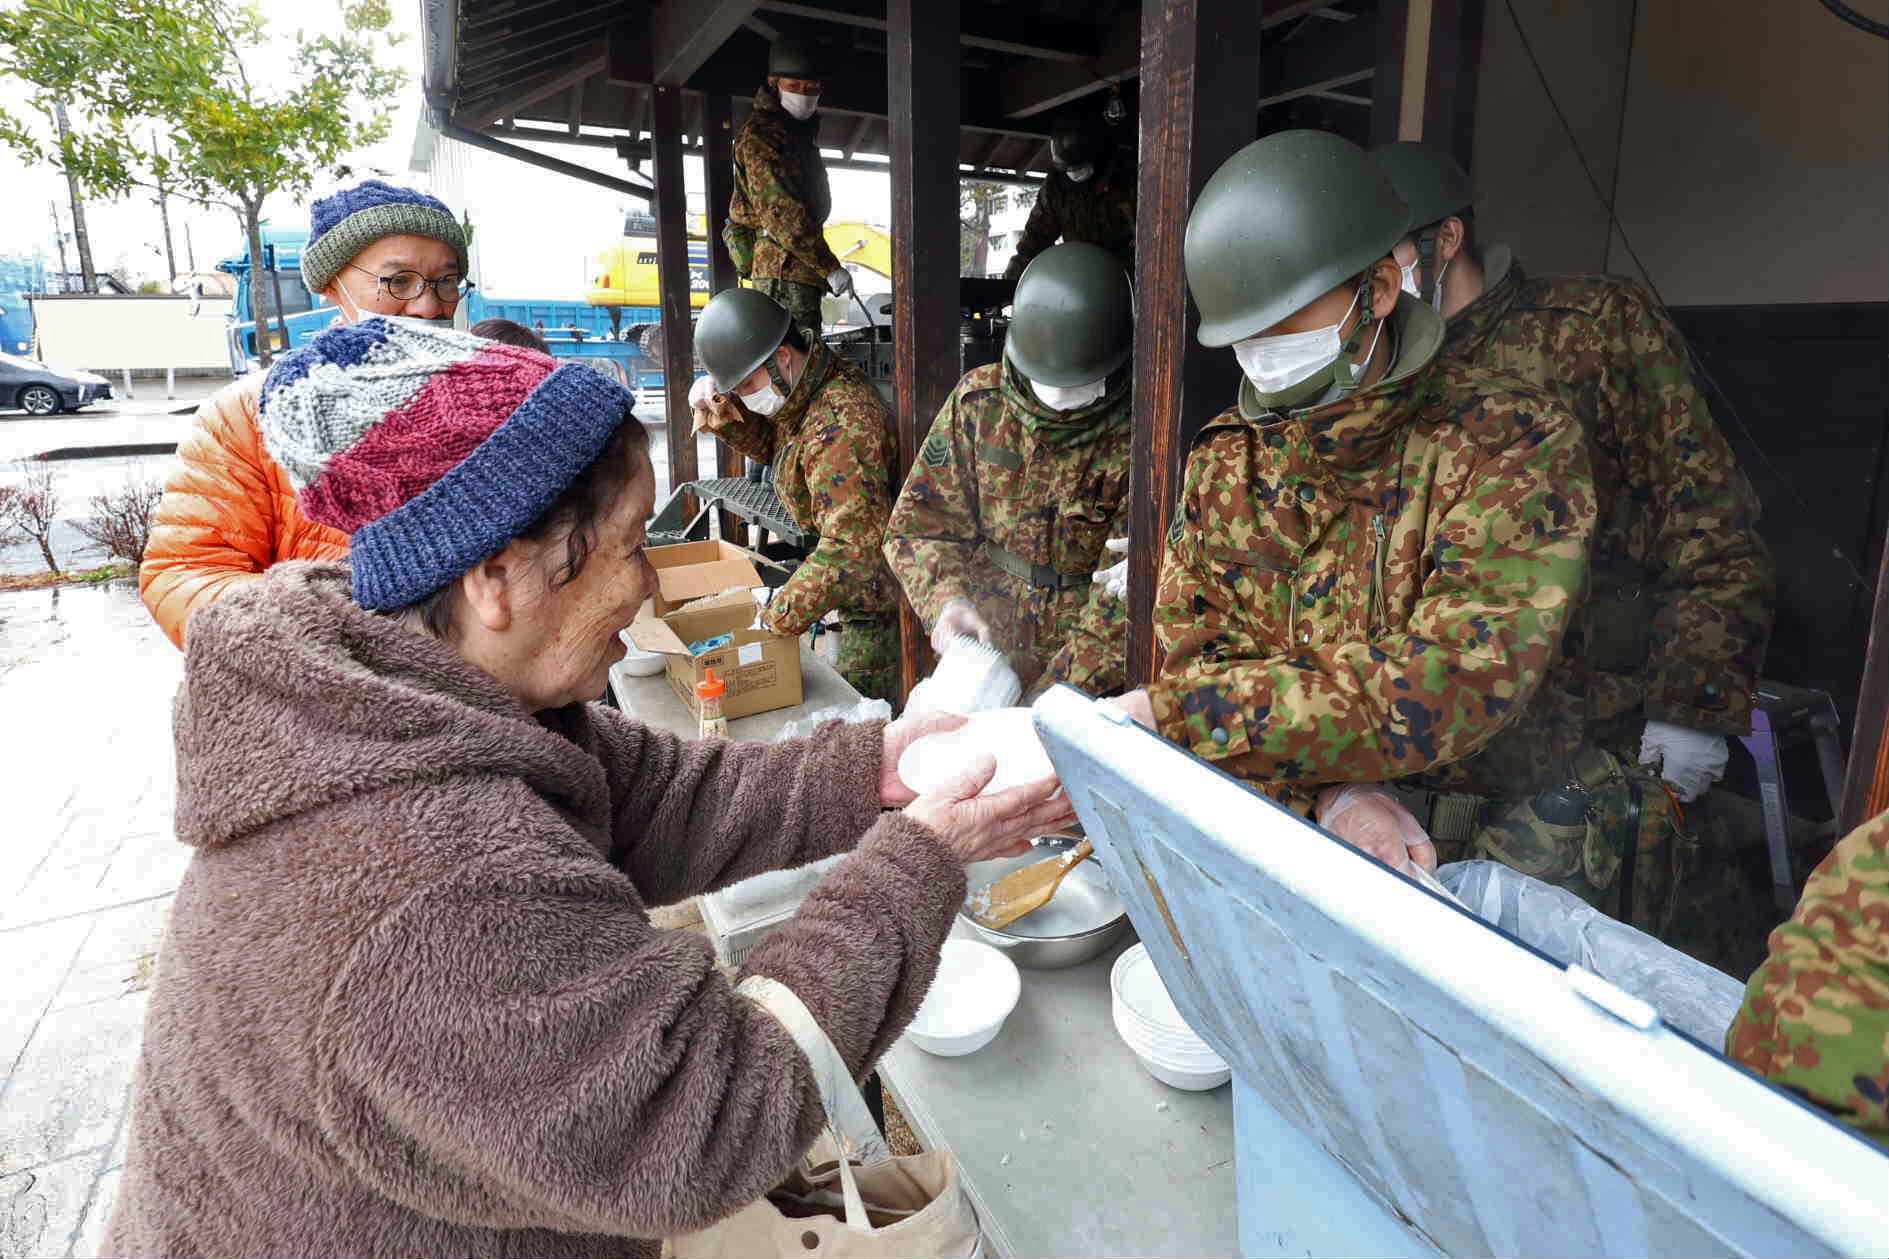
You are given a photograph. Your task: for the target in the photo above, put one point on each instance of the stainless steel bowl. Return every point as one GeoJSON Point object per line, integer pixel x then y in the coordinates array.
{"type": "Point", "coordinates": [1084, 918]}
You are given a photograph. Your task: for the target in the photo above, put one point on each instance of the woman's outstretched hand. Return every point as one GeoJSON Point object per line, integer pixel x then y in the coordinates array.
{"type": "Point", "coordinates": [1002, 824]}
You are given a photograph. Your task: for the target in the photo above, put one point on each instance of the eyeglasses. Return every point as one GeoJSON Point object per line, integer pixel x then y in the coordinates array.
{"type": "Point", "coordinates": [404, 286]}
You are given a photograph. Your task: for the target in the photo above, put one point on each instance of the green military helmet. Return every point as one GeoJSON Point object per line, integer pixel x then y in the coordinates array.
{"type": "Point", "coordinates": [1073, 318]}
{"type": "Point", "coordinates": [1427, 178]}
{"type": "Point", "coordinates": [1282, 222]}
{"type": "Point", "coordinates": [792, 59]}
{"type": "Point", "coordinates": [1074, 141]}
{"type": "Point", "coordinates": [736, 332]}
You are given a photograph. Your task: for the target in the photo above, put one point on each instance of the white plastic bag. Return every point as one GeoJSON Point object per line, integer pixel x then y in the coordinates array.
{"type": "Point", "coordinates": [864, 710]}
{"type": "Point", "coordinates": [1689, 995]}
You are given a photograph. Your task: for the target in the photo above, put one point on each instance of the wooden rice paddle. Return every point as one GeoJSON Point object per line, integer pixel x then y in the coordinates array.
{"type": "Point", "coordinates": [1027, 890]}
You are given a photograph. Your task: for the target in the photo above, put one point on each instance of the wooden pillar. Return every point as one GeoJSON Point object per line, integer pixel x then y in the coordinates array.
{"type": "Point", "coordinates": [718, 176]}
{"type": "Point", "coordinates": [1200, 94]}
{"type": "Point", "coordinates": [922, 83]}
{"type": "Point", "coordinates": [1866, 780]}
{"type": "Point", "coordinates": [672, 275]}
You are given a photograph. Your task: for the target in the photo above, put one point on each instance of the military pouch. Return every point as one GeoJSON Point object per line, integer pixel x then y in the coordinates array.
{"type": "Point", "coordinates": [1638, 846]}
{"type": "Point", "coordinates": [1516, 835]}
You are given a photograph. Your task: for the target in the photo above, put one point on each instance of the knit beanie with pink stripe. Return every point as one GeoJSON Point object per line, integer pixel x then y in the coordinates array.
{"type": "Point", "coordinates": [431, 448]}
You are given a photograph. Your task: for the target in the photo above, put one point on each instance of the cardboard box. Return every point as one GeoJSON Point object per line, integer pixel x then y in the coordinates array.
{"type": "Point", "coordinates": [762, 669]}
{"type": "Point", "coordinates": [689, 571]}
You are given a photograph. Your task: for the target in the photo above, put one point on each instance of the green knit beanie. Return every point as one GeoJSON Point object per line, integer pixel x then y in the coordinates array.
{"type": "Point", "coordinates": [342, 225]}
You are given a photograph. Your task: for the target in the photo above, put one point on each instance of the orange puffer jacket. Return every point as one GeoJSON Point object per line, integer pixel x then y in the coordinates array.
{"type": "Point", "coordinates": [229, 512]}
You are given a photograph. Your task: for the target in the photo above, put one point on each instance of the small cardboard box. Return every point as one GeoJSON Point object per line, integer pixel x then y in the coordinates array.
{"type": "Point", "coordinates": [689, 571]}
{"type": "Point", "coordinates": [762, 669]}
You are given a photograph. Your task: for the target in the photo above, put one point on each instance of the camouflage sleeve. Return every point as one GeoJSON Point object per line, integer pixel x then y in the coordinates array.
{"type": "Point", "coordinates": [931, 541]}
{"type": "Point", "coordinates": [1094, 657]}
{"type": "Point", "coordinates": [1713, 596]}
{"type": "Point", "coordinates": [1507, 561]}
{"type": "Point", "coordinates": [847, 481]}
{"type": "Point", "coordinates": [775, 201]}
{"type": "Point", "coordinates": [1040, 230]}
{"type": "Point", "coordinates": [1816, 1013]}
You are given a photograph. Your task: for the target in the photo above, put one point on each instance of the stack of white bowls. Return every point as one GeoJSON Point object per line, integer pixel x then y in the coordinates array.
{"type": "Point", "coordinates": [1149, 1023]}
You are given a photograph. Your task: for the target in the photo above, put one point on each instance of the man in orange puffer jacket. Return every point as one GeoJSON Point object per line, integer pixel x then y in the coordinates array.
{"type": "Point", "coordinates": [229, 511]}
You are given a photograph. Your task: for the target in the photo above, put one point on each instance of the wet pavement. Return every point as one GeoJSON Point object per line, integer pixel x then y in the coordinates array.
{"type": "Point", "coordinates": [88, 867]}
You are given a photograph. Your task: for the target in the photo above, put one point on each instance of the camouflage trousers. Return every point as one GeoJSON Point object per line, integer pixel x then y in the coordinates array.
{"type": "Point", "coordinates": [801, 300]}
{"type": "Point", "coordinates": [869, 654]}
{"type": "Point", "coordinates": [1614, 835]}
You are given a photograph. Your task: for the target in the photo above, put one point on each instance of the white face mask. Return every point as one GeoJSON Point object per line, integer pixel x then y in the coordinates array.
{"type": "Point", "coordinates": [1274, 364]}
{"type": "Point", "coordinates": [1410, 280]}
{"type": "Point", "coordinates": [799, 104]}
{"type": "Point", "coordinates": [1071, 397]}
{"type": "Point", "coordinates": [764, 401]}
{"type": "Point", "coordinates": [1436, 299]}
{"type": "Point", "coordinates": [1079, 174]}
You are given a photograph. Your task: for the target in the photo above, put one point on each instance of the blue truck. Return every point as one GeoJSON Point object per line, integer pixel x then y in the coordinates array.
{"type": "Point", "coordinates": [19, 277]}
{"type": "Point", "coordinates": [574, 329]}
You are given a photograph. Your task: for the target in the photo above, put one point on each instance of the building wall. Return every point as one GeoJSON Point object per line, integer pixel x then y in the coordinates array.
{"type": "Point", "coordinates": [1753, 166]}
{"type": "Point", "coordinates": [143, 333]}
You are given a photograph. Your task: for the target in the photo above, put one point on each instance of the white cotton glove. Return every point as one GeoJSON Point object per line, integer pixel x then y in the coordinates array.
{"type": "Point", "coordinates": [701, 391]}
{"type": "Point", "coordinates": [955, 618]}
{"type": "Point", "coordinates": [1690, 760]}
{"type": "Point", "coordinates": [1114, 578]}
{"type": "Point", "coordinates": [1371, 817]}
{"type": "Point", "coordinates": [839, 281]}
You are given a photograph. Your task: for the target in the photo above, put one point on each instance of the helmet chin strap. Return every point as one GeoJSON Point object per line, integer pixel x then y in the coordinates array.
{"type": "Point", "coordinates": [1351, 365]}
{"type": "Point", "coordinates": [775, 374]}
{"type": "Point", "coordinates": [1427, 276]}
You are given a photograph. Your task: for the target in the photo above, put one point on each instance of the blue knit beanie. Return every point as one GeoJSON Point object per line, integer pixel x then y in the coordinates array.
{"type": "Point", "coordinates": [342, 225]}
{"type": "Point", "coordinates": [431, 448]}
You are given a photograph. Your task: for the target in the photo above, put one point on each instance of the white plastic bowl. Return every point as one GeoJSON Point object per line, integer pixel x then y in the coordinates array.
{"type": "Point", "coordinates": [976, 989]}
{"type": "Point", "coordinates": [636, 662]}
{"type": "Point", "coordinates": [1008, 735]}
{"type": "Point", "coordinates": [1152, 1027]}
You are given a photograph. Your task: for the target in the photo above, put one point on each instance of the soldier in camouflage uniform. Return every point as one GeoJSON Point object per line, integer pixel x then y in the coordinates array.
{"type": "Point", "coordinates": [815, 417]}
{"type": "Point", "coordinates": [1375, 554]}
{"type": "Point", "coordinates": [1024, 477]}
{"type": "Point", "coordinates": [1816, 1014]}
{"type": "Point", "coordinates": [1089, 196]}
{"type": "Point", "coordinates": [1661, 662]}
{"type": "Point", "coordinates": [781, 199]}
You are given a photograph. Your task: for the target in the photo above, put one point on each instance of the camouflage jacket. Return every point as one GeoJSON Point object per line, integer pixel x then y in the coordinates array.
{"type": "Point", "coordinates": [984, 478]}
{"type": "Point", "coordinates": [780, 198]}
{"type": "Point", "coordinates": [1681, 585]}
{"type": "Point", "coordinates": [833, 451]}
{"type": "Point", "coordinates": [1099, 212]}
{"type": "Point", "coordinates": [1368, 589]}
{"type": "Point", "coordinates": [1816, 1013]}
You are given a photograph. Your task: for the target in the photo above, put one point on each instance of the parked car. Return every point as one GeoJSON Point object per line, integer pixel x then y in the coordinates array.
{"type": "Point", "coordinates": [40, 390]}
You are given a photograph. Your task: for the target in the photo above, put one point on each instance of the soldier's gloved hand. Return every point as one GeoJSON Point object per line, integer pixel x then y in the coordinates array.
{"type": "Point", "coordinates": [959, 616]}
{"type": "Point", "coordinates": [1369, 816]}
{"type": "Point", "coordinates": [1690, 760]}
{"type": "Point", "coordinates": [702, 390]}
{"type": "Point", "coordinates": [838, 281]}
{"type": "Point", "coordinates": [1114, 578]}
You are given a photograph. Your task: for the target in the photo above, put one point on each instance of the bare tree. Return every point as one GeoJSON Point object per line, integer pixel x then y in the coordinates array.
{"type": "Point", "coordinates": [121, 520]}
{"type": "Point", "coordinates": [31, 506]}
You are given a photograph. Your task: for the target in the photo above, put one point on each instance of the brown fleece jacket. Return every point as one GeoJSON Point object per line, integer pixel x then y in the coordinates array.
{"type": "Point", "coordinates": [410, 1001]}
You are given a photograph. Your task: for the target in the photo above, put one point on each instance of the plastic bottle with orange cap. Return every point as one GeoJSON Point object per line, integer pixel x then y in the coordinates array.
{"type": "Point", "coordinates": [708, 697]}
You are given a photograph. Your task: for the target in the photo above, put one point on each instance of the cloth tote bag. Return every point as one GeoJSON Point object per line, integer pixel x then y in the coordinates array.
{"type": "Point", "coordinates": [862, 1204]}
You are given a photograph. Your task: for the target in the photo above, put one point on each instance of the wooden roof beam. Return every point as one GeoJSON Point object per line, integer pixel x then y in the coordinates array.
{"type": "Point", "coordinates": [478, 114]}
{"type": "Point", "coordinates": [992, 43]}
{"type": "Point", "coordinates": [1039, 89]}
{"type": "Point", "coordinates": [686, 33]}
{"type": "Point", "coordinates": [1327, 87]}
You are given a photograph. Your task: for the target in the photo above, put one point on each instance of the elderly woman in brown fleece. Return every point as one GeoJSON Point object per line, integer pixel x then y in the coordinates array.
{"type": "Point", "coordinates": [410, 1000]}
